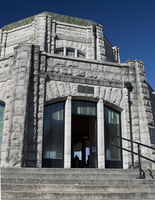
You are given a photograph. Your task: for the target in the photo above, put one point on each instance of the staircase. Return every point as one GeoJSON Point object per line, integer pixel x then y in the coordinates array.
{"type": "Point", "coordinates": [45, 184]}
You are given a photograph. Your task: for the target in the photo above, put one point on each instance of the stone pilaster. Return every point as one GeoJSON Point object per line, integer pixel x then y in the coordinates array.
{"type": "Point", "coordinates": [32, 117]}
{"type": "Point", "coordinates": [3, 43]}
{"type": "Point", "coordinates": [67, 140]}
{"type": "Point", "coordinates": [100, 134]}
{"type": "Point", "coordinates": [53, 35]}
{"type": "Point", "coordinates": [125, 127]}
{"type": "Point", "coordinates": [41, 31]}
{"type": "Point", "coordinates": [145, 110]}
{"type": "Point", "coordinates": [1, 34]}
{"type": "Point", "coordinates": [141, 107]}
{"type": "Point", "coordinates": [41, 100]}
{"type": "Point", "coordinates": [100, 48]}
{"type": "Point", "coordinates": [16, 107]}
{"type": "Point", "coordinates": [49, 33]}
{"type": "Point", "coordinates": [90, 51]}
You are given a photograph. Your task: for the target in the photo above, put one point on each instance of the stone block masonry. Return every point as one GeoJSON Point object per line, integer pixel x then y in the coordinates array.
{"type": "Point", "coordinates": [46, 61]}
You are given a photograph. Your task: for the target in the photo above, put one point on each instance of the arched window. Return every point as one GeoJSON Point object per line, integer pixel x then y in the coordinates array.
{"type": "Point", "coordinates": [70, 52]}
{"type": "Point", "coordinates": [59, 52]}
{"type": "Point", "coordinates": [1, 124]}
{"type": "Point", "coordinates": [113, 155]}
{"type": "Point", "coordinates": [80, 55]}
{"type": "Point", "coordinates": [53, 137]}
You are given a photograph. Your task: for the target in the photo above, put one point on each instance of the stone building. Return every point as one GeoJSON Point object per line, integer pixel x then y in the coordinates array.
{"type": "Point", "coordinates": [64, 94]}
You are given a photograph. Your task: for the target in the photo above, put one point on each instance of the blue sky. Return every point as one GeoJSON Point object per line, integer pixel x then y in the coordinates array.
{"type": "Point", "coordinates": [128, 24]}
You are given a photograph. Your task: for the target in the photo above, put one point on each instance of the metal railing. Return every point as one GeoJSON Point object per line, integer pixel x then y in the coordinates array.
{"type": "Point", "coordinates": [141, 171]}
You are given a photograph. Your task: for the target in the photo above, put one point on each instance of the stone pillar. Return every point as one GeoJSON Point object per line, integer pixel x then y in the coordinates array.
{"type": "Point", "coordinates": [40, 108]}
{"type": "Point", "coordinates": [125, 127]}
{"type": "Point", "coordinates": [41, 31]}
{"type": "Point", "coordinates": [53, 35]}
{"type": "Point", "coordinates": [100, 134]}
{"type": "Point", "coordinates": [142, 116]}
{"type": "Point", "coordinates": [67, 140]}
{"type": "Point", "coordinates": [100, 43]}
{"type": "Point", "coordinates": [16, 107]}
{"type": "Point", "coordinates": [89, 51]}
{"type": "Point", "coordinates": [49, 33]}
{"type": "Point", "coordinates": [1, 36]}
{"type": "Point", "coordinates": [145, 111]}
{"type": "Point", "coordinates": [3, 43]}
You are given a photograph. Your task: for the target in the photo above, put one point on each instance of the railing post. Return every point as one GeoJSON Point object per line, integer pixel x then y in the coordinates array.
{"type": "Point", "coordinates": [140, 169]}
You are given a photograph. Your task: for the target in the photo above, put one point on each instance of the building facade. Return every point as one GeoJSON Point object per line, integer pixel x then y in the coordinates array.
{"type": "Point", "coordinates": [64, 94]}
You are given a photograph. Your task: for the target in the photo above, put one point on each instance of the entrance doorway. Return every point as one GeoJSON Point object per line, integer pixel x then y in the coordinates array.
{"type": "Point", "coordinates": [83, 144]}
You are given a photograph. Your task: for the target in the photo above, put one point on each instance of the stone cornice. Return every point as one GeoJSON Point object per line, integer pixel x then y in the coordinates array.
{"type": "Point", "coordinates": [112, 64]}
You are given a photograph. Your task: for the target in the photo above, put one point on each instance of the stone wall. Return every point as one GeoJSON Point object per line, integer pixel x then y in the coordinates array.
{"type": "Point", "coordinates": [142, 116]}
{"type": "Point", "coordinates": [31, 79]}
{"type": "Point", "coordinates": [32, 76]}
{"type": "Point", "coordinates": [153, 105]}
{"type": "Point", "coordinates": [51, 35]}
{"type": "Point", "coordinates": [13, 37]}
{"type": "Point", "coordinates": [22, 112]}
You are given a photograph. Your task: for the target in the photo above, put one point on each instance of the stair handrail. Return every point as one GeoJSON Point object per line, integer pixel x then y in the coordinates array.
{"type": "Point", "coordinates": [139, 152]}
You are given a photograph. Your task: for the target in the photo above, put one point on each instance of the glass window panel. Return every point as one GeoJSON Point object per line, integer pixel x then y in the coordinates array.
{"type": "Point", "coordinates": [84, 108]}
{"type": "Point", "coordinates": [80, 55]}
{"type": "Point", "coordinates": [59, 52]}
{"type": "Point", "coordinates": [53, 131]}
{"type": "Point", "coordinates": [70, 53]}
{"type": "Point", "coordinates": [112, 128]}
{"type": "Point", "coordinates": [1, 125]}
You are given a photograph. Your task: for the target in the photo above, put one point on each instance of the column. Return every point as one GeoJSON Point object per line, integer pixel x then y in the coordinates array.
{"type": "Point", "coordinates": [100, 134]}
{"type": "Point", "coordinates": [67, 142]}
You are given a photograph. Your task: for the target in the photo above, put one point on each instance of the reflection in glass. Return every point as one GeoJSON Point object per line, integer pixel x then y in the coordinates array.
{"type": "Point", "coordinates": [112, 127]}
{"type": "Point", "coordinates": [83, 108]}
{"type": "Point", "coordinates": [53, 131]}
{"type": "Point", "coordinates": [59, 52]}
{"type": "Point", "coordinates": [80, 55]}
{"type": "Point", "coordinates": [70, 53]}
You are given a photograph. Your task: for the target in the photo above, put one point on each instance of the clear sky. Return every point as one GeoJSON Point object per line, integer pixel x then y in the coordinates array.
{"type": "Point", "coordinates": [128, 24]}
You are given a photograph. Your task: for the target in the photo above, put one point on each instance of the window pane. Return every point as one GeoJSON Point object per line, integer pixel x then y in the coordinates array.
{"type": "Point", "coordinates": [80, 55]}
{"type": "Point", "coordinates": [53, 131]}
{"type": "Point", "coordinates": [84, 108]}
{"type": "Point", "coordinates": [59, 52]}
{"type": "Point", "coordinates": [70, 53]}
{"type": "Point", "coordinates": [112, 128]}
{"type": "Point", "coordinates": [1, 125]}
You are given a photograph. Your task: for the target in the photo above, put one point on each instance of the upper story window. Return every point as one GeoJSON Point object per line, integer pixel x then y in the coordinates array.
{"type": "Point", "coordinates": [70, 52]}
{"type": "Point", "coordinates": [59, 52]}
{"type": "Point", "coordinates": [80, 55]}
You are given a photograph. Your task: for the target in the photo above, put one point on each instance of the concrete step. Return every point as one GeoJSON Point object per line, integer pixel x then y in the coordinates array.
{"type": "Point", "coordinates": [101, 176]}
{"type": "Point", "coordinates": [132, 173]}
{"type": "Point", "coordinates": [45, 184]}
{"type": "Point", "coordinates": [77, 181]}
{"type": "Point", "coordinates": [69, 171]}
{"type": "Point", "coordinates": [77, 195]}
{"type": "Point", "coordinates": [75, 187]}
{"type": "Point", "coordinates": [72, 199]}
